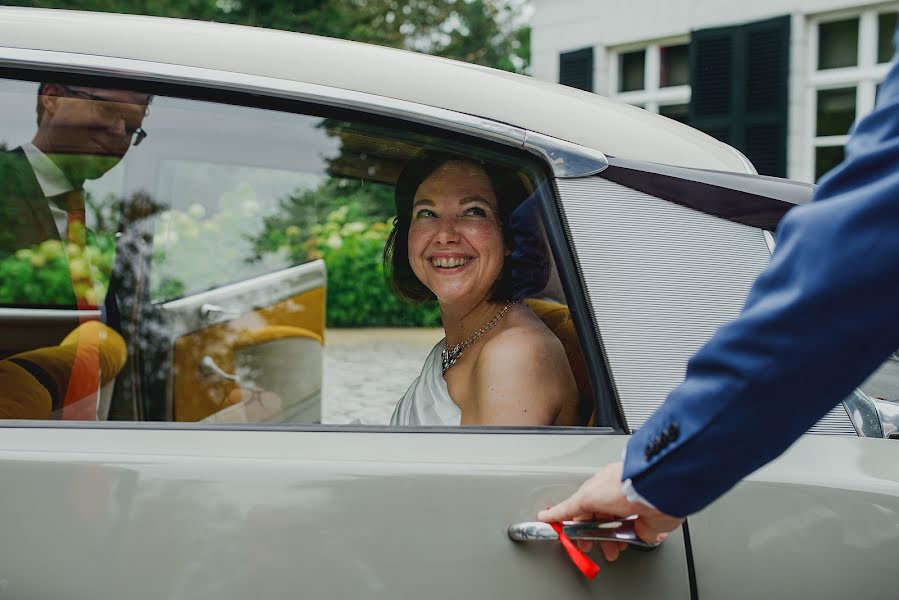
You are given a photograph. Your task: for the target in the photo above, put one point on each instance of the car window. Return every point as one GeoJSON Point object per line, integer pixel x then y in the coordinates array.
{"type": "Point", "coordinates": [174, 259]}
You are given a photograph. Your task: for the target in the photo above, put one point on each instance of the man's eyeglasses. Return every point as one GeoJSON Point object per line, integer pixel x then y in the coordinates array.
{"type": "Point", "coordinates": [109, 112]}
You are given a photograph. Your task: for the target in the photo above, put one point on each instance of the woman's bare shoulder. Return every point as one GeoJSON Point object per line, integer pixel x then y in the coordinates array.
{"type": "Point", "coordinates": [519, 377]}
{"type": "Point", "coordinates": [525, 345]}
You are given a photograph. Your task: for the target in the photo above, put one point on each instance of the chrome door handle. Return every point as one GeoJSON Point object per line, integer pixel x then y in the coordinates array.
{"type": "Point", "coordinates": [617, 530]}
{"type": "Point", "coordinates": [214, 311]}
{"type": "Point", "coordinates": [208, 366]}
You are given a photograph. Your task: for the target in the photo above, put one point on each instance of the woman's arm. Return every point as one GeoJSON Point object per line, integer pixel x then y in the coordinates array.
{"type": "Point", "coordinates": [520, 378]}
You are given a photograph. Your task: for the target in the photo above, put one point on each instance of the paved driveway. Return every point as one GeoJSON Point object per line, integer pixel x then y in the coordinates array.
{"type": "Point", "coordinates": [367, 371]}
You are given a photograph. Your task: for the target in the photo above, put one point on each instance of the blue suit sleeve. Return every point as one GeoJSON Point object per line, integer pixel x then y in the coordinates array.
{"type": "Point", "coordinates": [820, 318]}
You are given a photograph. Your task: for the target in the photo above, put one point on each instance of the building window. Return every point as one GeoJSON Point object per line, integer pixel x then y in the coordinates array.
{"type": "Point", "coordinates": [838, 44]}
{"type": "Point", "coordinates": [632, 71]}
{"type": "Point", "coordinates": [886, 29]}
{"type": "Point", "coordinates": [675, 65]}
{"type": "Point", "coordinates": [654, 76]}
{"type": "Point", "coordinates": [849, 58]}
{"type": "Point", "coordinates": [836, 111]}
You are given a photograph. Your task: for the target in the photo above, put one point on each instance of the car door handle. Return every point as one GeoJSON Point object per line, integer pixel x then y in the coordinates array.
{"type": "Point", "coordinates": [215, 312]}
{"type": "Point", "coordinates": [612, 530]}
{"type": "Point", "coordinates": [208, 366]}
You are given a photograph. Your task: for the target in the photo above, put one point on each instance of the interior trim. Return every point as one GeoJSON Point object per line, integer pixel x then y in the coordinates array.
{"type": "Point", "coordinates": [754, 200]}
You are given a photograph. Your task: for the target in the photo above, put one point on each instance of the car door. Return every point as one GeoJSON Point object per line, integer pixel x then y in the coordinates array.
{"type": "Point", "coordinates": [671, 258]}
{"type": "Point", "coordinates": [152, 504]}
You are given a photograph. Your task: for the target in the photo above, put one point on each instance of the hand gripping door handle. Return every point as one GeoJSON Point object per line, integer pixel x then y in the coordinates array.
{"type": "Point", "coordinates": [617, 530]}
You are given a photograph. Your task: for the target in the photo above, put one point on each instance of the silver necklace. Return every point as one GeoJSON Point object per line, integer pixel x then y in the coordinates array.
{"type": "Point", "coordinates": [449, 356]}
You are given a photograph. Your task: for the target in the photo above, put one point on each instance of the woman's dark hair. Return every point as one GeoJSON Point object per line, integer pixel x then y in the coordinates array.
{"type": "Point", "coordinates": [525, 271]}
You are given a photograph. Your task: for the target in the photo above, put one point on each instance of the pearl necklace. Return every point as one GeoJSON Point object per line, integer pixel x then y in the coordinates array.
{"type": "Point", "coordinates": [449, 356]}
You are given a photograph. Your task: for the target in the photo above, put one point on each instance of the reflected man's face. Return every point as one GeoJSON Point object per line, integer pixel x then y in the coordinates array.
{"type": "Point", "coordinates": [88, 130]}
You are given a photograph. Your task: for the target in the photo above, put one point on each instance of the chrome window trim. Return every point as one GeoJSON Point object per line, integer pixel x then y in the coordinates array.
{"type": "Point", "coordinates": [750, 168]}
{"type": "Point", "coordinates": [769, 239]}
{"type": "Point", "coordinates": [565, 158]}
{"type": "Point", "coordinates": [48, 314]}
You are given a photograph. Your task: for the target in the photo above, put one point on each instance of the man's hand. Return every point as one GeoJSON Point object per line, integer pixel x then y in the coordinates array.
{"type": "Point", "coordinates": [601, 498]}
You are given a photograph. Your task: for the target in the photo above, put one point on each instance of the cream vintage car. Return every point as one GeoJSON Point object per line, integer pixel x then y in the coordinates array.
{"type": "Point", "coordinates": [184, 455]}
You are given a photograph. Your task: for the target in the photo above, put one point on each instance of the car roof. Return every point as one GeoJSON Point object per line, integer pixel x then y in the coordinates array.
{"type": "Point", "coordinates": [613, 128]}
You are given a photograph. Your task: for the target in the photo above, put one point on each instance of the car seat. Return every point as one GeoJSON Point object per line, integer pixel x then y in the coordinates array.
{"type": "Point", "coordinates": [557, 317]}
{"type": "Point", "coordinates": [33, 384]}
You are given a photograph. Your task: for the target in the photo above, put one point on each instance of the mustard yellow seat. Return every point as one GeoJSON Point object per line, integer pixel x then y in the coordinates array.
{"type": "Point", "coordinates": [557, 318]}
{"type": "Point", "coordinates": [33, 384]}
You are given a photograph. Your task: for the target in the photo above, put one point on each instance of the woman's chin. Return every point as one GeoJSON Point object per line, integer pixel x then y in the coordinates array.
{"type": "Point", "coordinates": [449, 298]}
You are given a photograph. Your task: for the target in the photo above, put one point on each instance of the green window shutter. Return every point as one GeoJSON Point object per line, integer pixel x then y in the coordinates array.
{"type": "Point", "coordinates": [576, 69]}
{"type": "Point", "coordinates": [739, 89]}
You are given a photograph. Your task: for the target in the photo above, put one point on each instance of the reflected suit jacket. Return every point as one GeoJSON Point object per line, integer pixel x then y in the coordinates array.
{"type": "Point", "coordinates": [820, 318]}
{"type": "Point", "coordinates": [24, 210]}
{"type": "Point", "coordinates": [26, 220]}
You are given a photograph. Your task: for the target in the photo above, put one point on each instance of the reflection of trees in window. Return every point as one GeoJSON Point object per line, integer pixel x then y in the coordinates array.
{"type": "Point", "coordinates": [345, 221]}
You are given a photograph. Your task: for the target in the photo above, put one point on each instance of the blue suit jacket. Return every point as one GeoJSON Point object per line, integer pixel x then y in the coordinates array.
{"type": "Point", "coordinates": [821, 317]}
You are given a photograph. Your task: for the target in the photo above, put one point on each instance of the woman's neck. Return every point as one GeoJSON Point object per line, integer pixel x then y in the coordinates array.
{"type": "Point", "coordinates": [460, 322]}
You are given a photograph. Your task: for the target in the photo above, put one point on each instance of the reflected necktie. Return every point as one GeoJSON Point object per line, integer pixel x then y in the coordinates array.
{"type": "Point", "coordinates": [76, 236]}
{"type": "Point", "coordinates": [84, 378]}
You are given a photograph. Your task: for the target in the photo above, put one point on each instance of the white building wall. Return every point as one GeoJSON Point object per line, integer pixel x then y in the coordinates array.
{"type": "Point", "coordinates": [564, 25]}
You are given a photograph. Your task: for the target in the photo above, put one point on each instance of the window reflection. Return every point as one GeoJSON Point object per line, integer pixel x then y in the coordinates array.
{"type": "Point", "coordinates": [195, 260]}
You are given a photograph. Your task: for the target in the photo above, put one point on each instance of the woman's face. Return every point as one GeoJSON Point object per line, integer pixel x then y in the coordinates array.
{"type": "Point", "coordinates": [456, 246]}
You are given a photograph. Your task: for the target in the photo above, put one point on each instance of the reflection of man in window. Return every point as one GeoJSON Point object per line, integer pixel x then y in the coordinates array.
{"type": "Point", "coordinates": [82, 133]}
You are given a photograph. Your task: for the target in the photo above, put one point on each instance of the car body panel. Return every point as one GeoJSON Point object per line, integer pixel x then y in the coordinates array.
{"type": "Point", "coordinates": [578, 117]}
{"type": "Point", "coordinates": [821, 521]}
{"type": "Point", "coordinates": [146, 513]}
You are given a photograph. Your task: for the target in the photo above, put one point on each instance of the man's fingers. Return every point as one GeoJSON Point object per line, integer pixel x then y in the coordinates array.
{"type": "Point", "coordinates": [655, 531]}
{"type": "Point", "coordinates": [563, 511]}
{"type": "Point", "coordinates": [610, 550]}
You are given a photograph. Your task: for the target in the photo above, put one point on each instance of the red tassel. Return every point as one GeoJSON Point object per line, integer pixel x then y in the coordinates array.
{"type": "Point", "coordinates": [583, 562]}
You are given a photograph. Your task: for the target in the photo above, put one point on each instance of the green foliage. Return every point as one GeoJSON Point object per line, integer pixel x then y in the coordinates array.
{"type": "Point", "coordinates": [358, 295]}
{"type": "Point", "coordinates": [485, 32]}
{"type": "Point", "coordinates": [346, 223]}
{"type": "Point", "coordinates": [198, 249]}
{"type": "Point", "coordinates": [42, 275]}
{"type": "Point", "coordinates": [291, 229]}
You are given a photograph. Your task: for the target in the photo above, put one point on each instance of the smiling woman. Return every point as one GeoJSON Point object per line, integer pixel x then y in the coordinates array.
{"type": "Point", "coordinates": [454, 241]}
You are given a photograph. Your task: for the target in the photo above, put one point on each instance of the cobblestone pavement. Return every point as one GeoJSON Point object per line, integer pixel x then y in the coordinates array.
{"type": "Point", "coordinates": [367, 371]}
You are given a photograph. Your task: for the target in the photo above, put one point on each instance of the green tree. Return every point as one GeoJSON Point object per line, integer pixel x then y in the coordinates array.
{"type": "Point", "coordinates": [484, 32]}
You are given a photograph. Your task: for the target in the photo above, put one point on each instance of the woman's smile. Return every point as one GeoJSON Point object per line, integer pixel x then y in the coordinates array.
{"type": "Point", "coordinates": [450, 264]}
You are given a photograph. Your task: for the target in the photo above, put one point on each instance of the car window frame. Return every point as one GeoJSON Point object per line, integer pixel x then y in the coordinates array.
{"type": "Point", "coordinates": [557, 158]}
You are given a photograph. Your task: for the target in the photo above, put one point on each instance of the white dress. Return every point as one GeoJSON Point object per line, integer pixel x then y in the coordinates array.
{"type": "Point", "coordinates": [427, 401]}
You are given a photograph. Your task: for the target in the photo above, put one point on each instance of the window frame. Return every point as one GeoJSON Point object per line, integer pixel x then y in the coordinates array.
{"type": "Point", "coordinates": [653, 95]}
{"type": "Point", "coordinates": [262, 92]}
{"type": "Point", "coordinates": [864, 77]}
